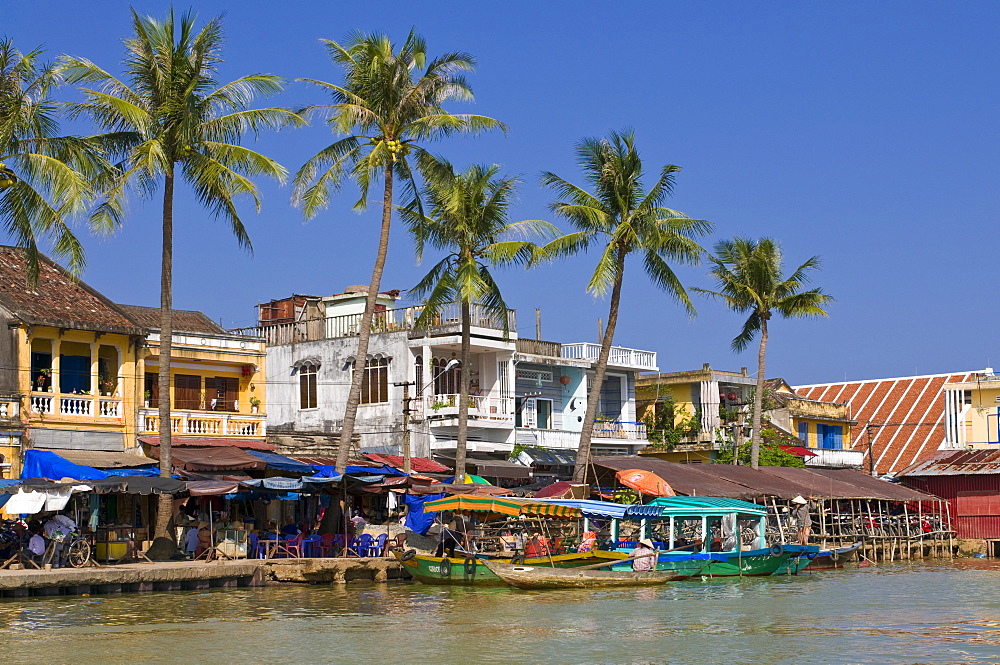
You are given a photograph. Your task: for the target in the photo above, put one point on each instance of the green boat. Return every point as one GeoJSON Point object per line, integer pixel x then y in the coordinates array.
{"type": "Point", "coordinates": [730, 531]}
{"type": "Point", "coordinates": [472, 571]}
{"type": "Point", "coordinates": [800, 556]}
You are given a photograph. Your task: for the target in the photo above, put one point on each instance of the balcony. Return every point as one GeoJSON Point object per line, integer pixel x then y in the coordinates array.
{"type": "Point", "coordinates": [826, 457]}
{"type": "Point", "coordinates": [620, 356]}
{"type": "Point", "coordinates": [619, 429]}
{"type": "Point", "coordinates": [390, 320]}
{"type": "Point", "coordinates": [65, 404]}
{"type": "Point", "coordinates": [490, 409]}
{"type": "Point", "coordinates": [201, 423]}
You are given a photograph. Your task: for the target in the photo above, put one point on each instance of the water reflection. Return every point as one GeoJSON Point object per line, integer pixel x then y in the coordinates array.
{"type": "Point", "coordinates": [900, 613]}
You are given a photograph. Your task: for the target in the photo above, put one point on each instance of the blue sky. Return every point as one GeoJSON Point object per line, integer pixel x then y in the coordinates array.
{"type": "Point", "coordinates": [866, 133]}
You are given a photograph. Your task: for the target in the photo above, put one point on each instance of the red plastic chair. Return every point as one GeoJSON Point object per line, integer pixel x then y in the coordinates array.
{"type": "Point", "coordinates": [327, 545]}
{"type": "Point", "coordinates": [294, 546]}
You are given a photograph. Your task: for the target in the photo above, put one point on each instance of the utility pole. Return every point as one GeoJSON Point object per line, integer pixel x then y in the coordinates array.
{"type": "Point", "coordinates": [406, 422]}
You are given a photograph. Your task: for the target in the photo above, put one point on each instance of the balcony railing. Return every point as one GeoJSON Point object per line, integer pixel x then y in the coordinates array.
{"type": "Point", "coordinates": [86, 406]}
{"type": "Point", "coordinates": [500, 409]}
{"type": "Point", "coordinates": [388, 320]}
{"type": "Point", "coordinates": [831, 457]}
{"type": "Point", "coordinates": [197, 423]}
{"type": "Point", "coordinates": [10, 407]}
{"type": "Point", "coordinates": [620, 356]}
{"type": "Point", "coordinates": [620, 429]}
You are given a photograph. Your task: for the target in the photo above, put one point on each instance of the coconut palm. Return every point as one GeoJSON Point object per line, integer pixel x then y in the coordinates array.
{"type": "Point", "coordinates": [621, 218]}
{"type": "Point", "coordinates": [169, 118]}
{"type": "Point", "coordinates": [389, 105]}
{"type": "Point", "coordinates": [749, 278]}
{"type": "Point", "coordinates": [467, 215]}
{"type": "Point", "coordinates": [44, 178]}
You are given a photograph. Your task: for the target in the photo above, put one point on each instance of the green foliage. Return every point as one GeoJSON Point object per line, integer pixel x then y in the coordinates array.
{"type": "Point", "coordinates": [520, 448]}
{"type": "Point", "coordinates": [663, 429]}
{"type": "Point", "coordinates": [45, 179]}
{"type": "Point", "coordinates": [770, 452]}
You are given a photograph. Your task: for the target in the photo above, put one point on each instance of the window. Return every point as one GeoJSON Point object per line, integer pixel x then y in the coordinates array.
{"type": "Point", "coordinates": [41, 364]}
{"type": "Point", "coordinates": [375, 383]}
{"type": "Point", "coordinates": [804, 432]}
{"type": "Point", "coordinates": [445, 383]}
{"type": "Point", "coordinates": [187, 392]}
{"type": "Point", "coordinates": [418, 375]}
{"type": "Point", "coordinates": [307, 386]}
{"type": "Point", "coordinates": [74, 368]}
{"type": "Point", "coordinates": [222, 393]}
{"type": "Point", "coordinates": [830, 437]}
{"type": "Point", "coordinates": [151, 390]}
{"type": "Point", "coordinates": [543, 413]}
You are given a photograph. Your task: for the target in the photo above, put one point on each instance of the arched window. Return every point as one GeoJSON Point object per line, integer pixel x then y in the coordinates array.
{"type": "Point", "coordinates": [418, 374]}
{"type": "Point", "coordinates": [446, 383]}
{"type": "Point", "coordinates": [375, 384]}
{"type": "Point", "coordinates": [307, 386]}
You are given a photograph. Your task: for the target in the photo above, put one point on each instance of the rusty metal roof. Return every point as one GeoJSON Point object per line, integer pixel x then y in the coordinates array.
{"type": "Point", "coordinates": [957, 463]}
{"type": "Point", "coordinates": [184, 320]}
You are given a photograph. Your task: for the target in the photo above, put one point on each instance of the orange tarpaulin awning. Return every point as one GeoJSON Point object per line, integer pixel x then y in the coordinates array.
{"type": "Point", "coordinates": [645, 482]}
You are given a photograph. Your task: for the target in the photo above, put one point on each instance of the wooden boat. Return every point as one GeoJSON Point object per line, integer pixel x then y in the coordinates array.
{"type": "Point", "coordinates": [683, 564]}
{"type": "Point", "coordinates": [526, 576]}
{"type": "Point", "coordinates": [801, 557]}
{"type": "Point", "coordinates": [472, 571]}
{"type": "Point", "coordinates": [834, 558]}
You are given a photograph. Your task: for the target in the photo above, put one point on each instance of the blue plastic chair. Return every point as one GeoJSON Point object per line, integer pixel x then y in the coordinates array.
{"type": "Point", "coordinates": [311, 546]}
{"type": "Point", "coordinates": [377, 547]}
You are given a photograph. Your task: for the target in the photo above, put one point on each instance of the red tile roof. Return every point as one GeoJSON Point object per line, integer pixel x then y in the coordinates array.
{"type": "Point", "coordinates": [58, 299]}
{"type": "Point", "coordinates": [198, 442]}
{"type": "Point", "coordinates": [909, 413]}
{"type": "Point", "coordinates": [184, 320]}
{"type": "Point", "coordinates": [417, 464]}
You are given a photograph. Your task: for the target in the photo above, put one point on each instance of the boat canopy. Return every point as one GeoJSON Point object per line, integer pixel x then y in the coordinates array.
{"type": "Point", "coordinates": [499, 506]}
{"type": "Point", "coordinates": [694, 505]}
{"type": "Point", "coordinates": [590, 508]}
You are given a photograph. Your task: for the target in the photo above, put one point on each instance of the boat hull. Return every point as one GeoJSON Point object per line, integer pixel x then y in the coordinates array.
{"type": "Point", "coordinates": [834, 558]}
{"type": "Point", "coordinates": [683, 566]}
{"type": "Point", "coordinates": [752, 563]}
{"type": "Point", "coordinates": [802, 556]}
{"type": "Point", "coordinates": [543, 577]}
{"type": "Point", "coordinates": [473, 572]}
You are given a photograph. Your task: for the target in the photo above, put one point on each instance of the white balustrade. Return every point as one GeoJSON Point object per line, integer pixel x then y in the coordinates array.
{"type": "Point", "coordinates": [110, 408]}
{"type": "Point", "coordinates": [9, 409]}
{"type": "Point", "coordinates": [76, 406]}
{"type": "Point", "coordinates": [619, 355]}
{"type": "Point", "coordinates": [204, 424]}
{"type": "Point", "coordinates": [481, 408]}
{"type": "Point", "coordinates": [41, 403]}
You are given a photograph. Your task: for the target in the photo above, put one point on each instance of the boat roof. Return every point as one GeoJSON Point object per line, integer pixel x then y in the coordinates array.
{"type": "Point", "coordinates": [591, 508]}
{"type": "Point", "coordinates": [694, 505]}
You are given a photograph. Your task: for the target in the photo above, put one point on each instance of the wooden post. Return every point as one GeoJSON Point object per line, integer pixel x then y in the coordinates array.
{"type": "Point", "coordinates": [951, 545]}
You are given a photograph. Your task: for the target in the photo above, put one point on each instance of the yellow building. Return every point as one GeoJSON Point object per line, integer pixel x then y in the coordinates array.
{"type": "Point", "coordinates": [824, 427]}
{"type": "Point", "coordinates": [972, 412]}
{"type": "Point", "coordinates": [217, 388]}
{"type": "Point", "coordinates": [69, 365]}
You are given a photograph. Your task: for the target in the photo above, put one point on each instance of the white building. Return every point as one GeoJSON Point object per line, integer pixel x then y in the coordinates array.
{"type": "Point", "coordinates": [522, 391]}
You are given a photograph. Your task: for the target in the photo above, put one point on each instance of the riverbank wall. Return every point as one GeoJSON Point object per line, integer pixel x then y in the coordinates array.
{"type": "Point", "coordinates": [191, 575]}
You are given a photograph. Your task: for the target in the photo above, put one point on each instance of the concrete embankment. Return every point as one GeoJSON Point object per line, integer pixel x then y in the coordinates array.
{"type": "Point", "coordinates": [181, 575]}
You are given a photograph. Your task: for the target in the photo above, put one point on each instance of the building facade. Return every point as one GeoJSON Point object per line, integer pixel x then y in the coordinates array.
{"type": "Point", "coordinates": [525, 391]}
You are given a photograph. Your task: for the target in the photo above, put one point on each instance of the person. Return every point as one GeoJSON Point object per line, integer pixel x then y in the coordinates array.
{"type": "Point", "coordinates": [204, 540]}
{"type": "Point", "coordinates": [36, 545]}
{"type": "Point", "coordinates": [802, 519]}
{"type": "Point", "coordinates": [588, 543]}
{"type": "Point", "coordinates": [538, 546]}
{"type": "Point", "coordinates": [643, 556]}
{"type": "Point", "coordinates": [191, 539]}
{"type": "Point", "coordinates": [448, 540]}
{"type": "Point", "coordinates": [59, 529]}
{"type": "Point", "coordinates": [358, 521]}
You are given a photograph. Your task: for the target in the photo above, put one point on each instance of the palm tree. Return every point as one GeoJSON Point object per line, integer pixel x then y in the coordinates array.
{"type": "Point", "coordinates": [749, 278]}
{"type": "Point", "coordinates": [44, 178]}
{"type": "Point", "coordinates": [168, 117]}
{"type": "Point", "coordinates": [625, 219]}
{"type": "Point", "coordinates": [468, 216]}
{"type": "Point", "coordinates": [388, 108]}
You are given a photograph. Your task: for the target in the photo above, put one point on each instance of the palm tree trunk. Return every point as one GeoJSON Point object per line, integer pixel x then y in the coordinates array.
{"type": "Point", "coordinates": [164, 512]}
{"type": "Point", "coordinates": [462, 440]}
{"type": "Point", "coordinates": [583, 451]}
{"type": "Point", "coordinates": [354, 396]}
{"type": "Point", "coordinates": [758, 398]}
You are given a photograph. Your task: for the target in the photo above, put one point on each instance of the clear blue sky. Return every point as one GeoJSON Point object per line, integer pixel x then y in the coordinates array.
{"type": "Point", "coordinates": [866, 133]}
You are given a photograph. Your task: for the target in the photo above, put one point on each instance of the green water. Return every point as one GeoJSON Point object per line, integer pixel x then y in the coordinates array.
{"type": "Point", "coordinates": [900, 613]}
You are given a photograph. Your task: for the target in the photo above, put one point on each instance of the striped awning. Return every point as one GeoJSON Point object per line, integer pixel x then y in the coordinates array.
{"type": "Point", "coordinates": [500, 506]}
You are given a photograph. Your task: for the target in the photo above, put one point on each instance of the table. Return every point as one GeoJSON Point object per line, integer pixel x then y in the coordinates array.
{"type": "Point", "coordinates": [273, 548]}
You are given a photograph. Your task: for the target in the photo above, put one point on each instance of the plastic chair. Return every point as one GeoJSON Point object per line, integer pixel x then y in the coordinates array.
{"type": "Point", "coordinates": [354, 548]}
{"type": "Point", "coordinates": [377, 548]}
{"type": "Point", "coordinates": [254, 549]}
{"type": "Point", "coordinates": [294, 546]}
{"type": "Point", "coordinates": [311, 546]}
{"type": "Point", "coordinates": [327, 544]}
{"type": "Point", "coordinates": [399, 542]}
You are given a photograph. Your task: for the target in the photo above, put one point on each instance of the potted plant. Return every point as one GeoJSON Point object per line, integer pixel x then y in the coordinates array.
{"type": "Point", "coordinates": [43, 378]}
{"type": "Point", "coordinates": [147, 396]}
{"type": "Point", "coordinates": [201, 400]}
{"type": "Point", "coordinates": [108, 387]}
{"type": "Point", "coordinates": [254, 404]}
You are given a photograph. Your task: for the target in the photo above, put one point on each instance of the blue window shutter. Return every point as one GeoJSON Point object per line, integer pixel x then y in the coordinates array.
{"type": "Point", "coordinates": [838, 436]}
{"type": "Point", "coordinates": [804, 432]}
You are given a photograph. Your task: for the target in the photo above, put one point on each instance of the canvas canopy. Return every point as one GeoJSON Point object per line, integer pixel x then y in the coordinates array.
{"type": "Point", "coordinates": [645, 482]}
{"type": "Point", "coordinates": [500, 506]}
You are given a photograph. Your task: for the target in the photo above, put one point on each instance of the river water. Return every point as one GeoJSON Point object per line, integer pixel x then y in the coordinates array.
{"type": "Point", "coordinates": [921, 612]}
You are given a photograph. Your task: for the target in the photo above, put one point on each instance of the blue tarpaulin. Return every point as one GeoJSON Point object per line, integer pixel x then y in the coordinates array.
{"type": "Point", "coordinates": [46, 464]}
{"type": "Point", "coordinates": [416, 519]}
{"type": "Point", "coordinates": [330, 471]}
{"type": "Point", "coordinates": [146, 471]}
{"type": "Point", "coordinates": [282, 463]}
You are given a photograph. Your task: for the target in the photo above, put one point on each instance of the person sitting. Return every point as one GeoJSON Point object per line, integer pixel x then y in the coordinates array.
{"type": "Point", "coordinates": [191, 540]}
{"type": "Point", "coordinates": [643, 556]}
{"type": "Point", "coordinates": [35, 549]}
{"type": "Point", "coordinates": [448, 540]}
{"type": "Point", "coordinates": [59, 529]}
{"type": "Point", "coordinates": [204, 540]}
{"type": "Point", "coordinates": [588, 543]}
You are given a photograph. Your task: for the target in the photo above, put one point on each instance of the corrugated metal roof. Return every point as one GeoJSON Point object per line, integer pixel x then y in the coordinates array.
{"type": "Point", "coordinates": [909, 411]}
{"type": "Point", "coordinates": [417, 464]}
{"type": "Point", "coordinates": [201, 442]}
{"type": "Point", "coordinates": [99, 459]}
{"type": "Point", "coordinates": [957, 463]}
